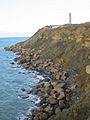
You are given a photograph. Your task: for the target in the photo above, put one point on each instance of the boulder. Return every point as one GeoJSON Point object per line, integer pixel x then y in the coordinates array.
{"type": "Point", "coordinates": [61, 85]}
{"type": "Point", "coordinates": [28, 91]}
{"type": "Point", "coordinates": [57, 77]}
{"type": "Point", "coordinates": [25, 96]}
{"type": "Point", "coordinates": [89, 56]}
{"type": "Point", "coordinates": [88, 69]}
{"type": "Point", "coordinates": [58, 89]}
{"type": "Point", "coordinates": [12, 63]}
{"type": "Point", "coordinates": [61, 104]}
{"type": "Point", "coordinates": [64, 76]}
{"type": "Point", "coordinates": [52, 117]}
{"type": "Point", "coordinates": [48, 108]}
{"type": "Point", "coordinates": [61, 96]}
{"type": "Point", "coordinates": [73, 87]}
{"type": "Point", "coordinates": [36, 118]}
{"type": "Point", "coordinates": [23, 89]}
{"type": "Point", "coordinates": [53, 101]}
{"type": "Point", "coordinates": [47, 85]}
{"type": "Point", "coordinates": [57, 111]}
{"type": "Point", "coordinates": [54, 70]}
{"type": "Point", "coordinates": [43, 116]}
{"type": "Point", "coordinates": [54, 84]}
{"type": "Point", "coordinates": [22, 60]}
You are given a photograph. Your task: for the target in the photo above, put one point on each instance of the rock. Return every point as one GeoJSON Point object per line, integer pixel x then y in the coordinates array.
{"type": "Point", "coordinates": [54, 70]}
{"type": "Point", "coordinates": [35, 91]}
{"type": "Point", "coordinates": [23, 89]}
{"type": "Point", "coordinates": [64, 76]}
{"type": "Point", "coordinates": [58, 89]}
{"type": "Point", "coordinates": [45, 65]}
{"type": "Point", "coordinates": [28, 59]}
{"type": "Point", "coordinates": [61, 104]}
{"type": "Point", "coordinates": [57, 111]}
{"type": "Point", "coordinates": [18, 53]}
{"type": "Point", "coordinates": [57, 77]}
{"type": "Point", "coordinates": [43, 116]}
{"type": "Point", "coordinates": [89, 56]}
{"type": "Point", "coordinates": [53, 101]}
{"type": "Point", "coordinates": [48, 108]}
{"type": "Point", "coordinates": [22, 60]}
{"type": "Point", "coordinates": [54, 95]}
{"type": "Point", "coordinates": [73, 87]}
{"type": "Point", "coordinates": [60, 84]}
{"type": "Point", "coordinates": [61, 96]}
{"type": "Point", "coordinates": [25, 96]}
{"type": "Point", "coordinates": [52, 117]}
{"type": "Point", "coordinates": [46, 79]}
{"type": "Point", "coordinates": [54, 84]}
{"type": "Point", "coordinates": [34, 75]}
{"type": "Point", "coordinates": [88, 118]}
{"type": "Point", "coordinates": [88, 69]}
{"type": "Point", "coordinates": [16, 59]}
{"type": "Point", "coordinates": [28, 91]}
{"type": "Point", "coordinates": [47, 85]}
{"type": "Point", "coordinates": [12, 63]}
{"type": "Point", "coordinates": [36, 118]}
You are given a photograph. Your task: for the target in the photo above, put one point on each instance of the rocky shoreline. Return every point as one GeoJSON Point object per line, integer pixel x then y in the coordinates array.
{"type": "Point", "coordinates": [62, 53]}
{"type": "Point", "coordinates": [56, 95]}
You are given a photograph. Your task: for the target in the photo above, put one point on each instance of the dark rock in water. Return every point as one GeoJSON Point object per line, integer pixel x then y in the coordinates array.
{"type": "Point", "coordinates": [35, 91]}
{"type": "Point", "coordinates": [16, 59]}
{"type": "Point", "coordinates": [17, 53]}
{"type": "Point", "coordinates": [19, 72]}
{"type": "Point", "coordinates": [12, 63]}
{"type": "Point", "coordinates": [25, 96]}
{"type": "Point", "coordinates": [28, 91]}
{"type": "Point", "coordinates": [23, 89]}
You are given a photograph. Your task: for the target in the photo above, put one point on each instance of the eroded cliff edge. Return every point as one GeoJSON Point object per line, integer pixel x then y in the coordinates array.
{"type": "Point", "coordinates": [63, 52]}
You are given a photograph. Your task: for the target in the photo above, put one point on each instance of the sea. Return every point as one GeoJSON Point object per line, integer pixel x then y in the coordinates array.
{"type": "Point", "coordinates": [13, 79]}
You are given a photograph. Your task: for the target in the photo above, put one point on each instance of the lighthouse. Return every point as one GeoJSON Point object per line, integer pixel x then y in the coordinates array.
{"type": "Point", "coordinates": [70, 18]}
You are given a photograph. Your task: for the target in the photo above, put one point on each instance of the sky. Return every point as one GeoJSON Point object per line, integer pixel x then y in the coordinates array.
{"type": "Point", "coordinates": [25, 17]}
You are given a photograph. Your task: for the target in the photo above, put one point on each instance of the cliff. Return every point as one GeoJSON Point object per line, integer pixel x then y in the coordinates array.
{"type": "Point", "coordinates": [63, 52]}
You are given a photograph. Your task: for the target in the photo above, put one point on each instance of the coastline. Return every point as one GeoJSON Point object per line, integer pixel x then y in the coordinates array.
{"type": "Point", "coordinates": [55, 95]}
{"type": "Point", "coordinates": [63, 53]}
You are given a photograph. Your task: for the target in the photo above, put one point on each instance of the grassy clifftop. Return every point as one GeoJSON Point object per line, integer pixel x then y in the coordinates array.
{"type": "Point", "coordinates": [54, 49]}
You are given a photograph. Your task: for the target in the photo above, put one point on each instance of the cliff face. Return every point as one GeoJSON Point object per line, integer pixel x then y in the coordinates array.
{"type": "Point", "coordinates": [54, 49]}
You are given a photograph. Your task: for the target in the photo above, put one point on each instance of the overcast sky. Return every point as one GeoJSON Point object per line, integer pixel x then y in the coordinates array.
{"type": "Point", "coordinates": [27, 16]}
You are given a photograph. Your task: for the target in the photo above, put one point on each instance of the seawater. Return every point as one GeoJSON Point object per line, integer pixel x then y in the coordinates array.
{"type": "Point", "coordinates": [12, 79]}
